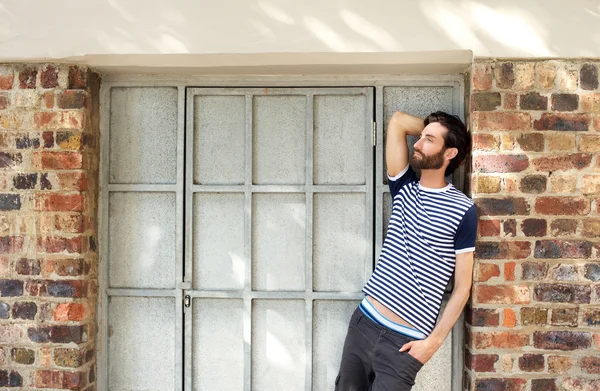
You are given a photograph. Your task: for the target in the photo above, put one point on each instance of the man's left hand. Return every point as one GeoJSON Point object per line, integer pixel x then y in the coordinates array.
{"type": "Point", "coordinates": [422, 350]}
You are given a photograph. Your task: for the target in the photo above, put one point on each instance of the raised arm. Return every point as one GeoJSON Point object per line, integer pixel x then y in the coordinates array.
{"type": "Point", "coordinates": [400, 125]}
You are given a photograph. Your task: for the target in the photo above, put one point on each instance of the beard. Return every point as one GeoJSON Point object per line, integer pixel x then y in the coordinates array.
{"type": "Point", "coordinates": [433, 162]}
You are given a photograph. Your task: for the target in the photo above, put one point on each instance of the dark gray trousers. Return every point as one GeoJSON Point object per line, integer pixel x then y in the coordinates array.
{"type": "Point", "coordinates": [371, 360]}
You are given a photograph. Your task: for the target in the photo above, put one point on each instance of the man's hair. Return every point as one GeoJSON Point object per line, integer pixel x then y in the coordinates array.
{"type": "Point", "coordinates": [457, 137]}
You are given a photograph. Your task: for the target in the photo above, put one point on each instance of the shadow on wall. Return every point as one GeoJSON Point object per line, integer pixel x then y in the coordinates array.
{"type": "Point", "coordinates": [175, 27]}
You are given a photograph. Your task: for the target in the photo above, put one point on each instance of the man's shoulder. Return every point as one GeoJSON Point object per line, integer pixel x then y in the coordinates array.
{"type": "Point", "coordinates": [459, 198]}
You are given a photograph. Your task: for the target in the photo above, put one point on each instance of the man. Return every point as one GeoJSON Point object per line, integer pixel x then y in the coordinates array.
{"type": "Point", "coordinates": [431, 235]}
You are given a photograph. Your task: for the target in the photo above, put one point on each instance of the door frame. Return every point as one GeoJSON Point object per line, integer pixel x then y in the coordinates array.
{"type": "Point", "coordinates": [182, 83]}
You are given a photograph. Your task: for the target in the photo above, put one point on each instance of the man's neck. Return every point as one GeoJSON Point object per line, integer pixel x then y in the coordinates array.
{"type": "Point", "coordinates": [433, 179]}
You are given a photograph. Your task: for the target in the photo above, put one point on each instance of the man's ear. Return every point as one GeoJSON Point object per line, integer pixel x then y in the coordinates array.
{"type": "Point", "coordinates": [451, 153]}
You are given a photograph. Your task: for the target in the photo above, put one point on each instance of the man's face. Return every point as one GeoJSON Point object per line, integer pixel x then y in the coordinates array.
{"type": "Point", "coordinates": [429, 150]}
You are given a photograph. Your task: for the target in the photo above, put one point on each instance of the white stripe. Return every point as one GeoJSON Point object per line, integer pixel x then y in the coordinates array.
{"type": "Point", "coordinates": [378, 316]}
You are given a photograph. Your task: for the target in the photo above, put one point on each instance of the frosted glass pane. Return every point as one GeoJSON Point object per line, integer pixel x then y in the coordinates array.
{"type": "Point", "coordinates": [330, 322]}
{"type": "Point", "coordinates": [141, 344]}
{"type": "Point", "coordinates": [219, 139]}
{"type": "Point", "coordinates": [339, 139]}
{"type": "Point", "coordinates": [218, 345]}
{"type": "Point", "coordinates": [278, 345]}
{"type": "Point", "coordinates": [142, 252]}
{"type": "Point", "coordinates": [279, 140]}
{"type": "Point", "coordinates": [219, 241]}
{"type": "Point", "coordinates": [143, 135]}
{"type": "Point", "coordinates": [278, 241]}
{"type": "Point", "coordinates": [340, 242]}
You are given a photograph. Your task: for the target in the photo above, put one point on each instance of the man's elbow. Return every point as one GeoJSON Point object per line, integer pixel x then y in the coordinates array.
{"type": "Point", "coordinates": [463, 291]}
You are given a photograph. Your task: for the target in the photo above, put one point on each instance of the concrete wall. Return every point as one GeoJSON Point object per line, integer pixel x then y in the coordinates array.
{"type": "Point", "coordinates": [137, 32]}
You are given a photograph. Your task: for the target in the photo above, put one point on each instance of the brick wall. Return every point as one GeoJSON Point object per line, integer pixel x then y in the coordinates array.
{"type": "Point", "coordinates": [48, 261]}
{"type": "Point", "coordinates": [534, 317]}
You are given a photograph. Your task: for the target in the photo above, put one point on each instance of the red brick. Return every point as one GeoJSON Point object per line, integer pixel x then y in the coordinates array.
{"type": "Point", "coordinates": [481, 362]}
{"type": "Point", "coordinates": [501, 340]}
{"type": "Point", "coordinates": [555, 249]}
{"type": "Point", "coordinates": [48, 99]}
{"type": "Point", "coordinates": [6, 82]}
{"type": "Point", "coordinates": [533, 101]}
{"type": "Point", "coordinates": [483, 317]}
{"type": "Point", "coordinates": [78, 78]}
{"type": "Point", "coordinates": [590, 364]}
{"type": "Point", "coordinates": [73, 181]}
{"type": "Point", "coordinates": [502, 250]}
{"type": "Point", "coordinates": [533, 142]}
{"type": "Point", "coordinates": [48, 139]}
{"type": "Point", "coordinates": [501, 294]}
{"type": "Point", "coordinates": [571, 122]}
{"type": "Point", "coordinates": [562, 293]}
{"type": "Point", "coordinates": [579, 384]}
{"type": "Point", "coordinates": [61, 160]}
{"type": "Point", "coordinates": [564, 317]}
{"type": "Point", "coordinates": [563, 162]}
{"type": "Point", "coordinates": [510, 227]}
{"type": "Point", "coordinates": [69, 312]}
{"type": "Point", "coordinates": [561, 340]}
{"type": "Point", "coordinates": [531, 363]}
{"type": "Point", "coordinates": [27, 78]}
{"type": "Point", "coordinates": [60, 202]}
{"type": "Point", "coordinates": [504, 384]}
{"type": "Point", "coordinates": [534, 227]}
{"type": "Point", "coordinates": [489, 227]}
{"type": "Point", "coordinates": [502, 206]}
{"type": "Point", "coordinates": [562, 205]}
{"type": "Point", "coordinates": [566, 272]}
{"type": "Point", "coordinates": [510, 101]}
{"type": "Point", "coordinates": [509, 271]}
{"type": "Point", "coordinates": [534, 184]}
{"type": "Point", "coordinates": [54, 120]}
{"type": "Point", "coordinates": [48, 379]}
{"type": "Point", "coordinates": [510, 318]}
{"type": "Point", "coordinates": [501, 121]}
{"type": "Point", "coordinates": [564, 227]}
{"type": "Point", "coordinates": [72, 99]}
{"type": "Point", "coordinates": [486, 142]}
{"type": "Point", "coordinates": [485, 271]}
{"type": "Point", "coordinates": [60, 244]}
{"type": "Point", "coordinates": [69, 223]}
{"type": "Point", "coordinates": [65, 267]}
{"type": "Point", "coordinates": [11, 244]}
{"type": "Point", "coordinates": [482, 76]}
{"type": "Point", "coordinates": [565, 102]}
{"type": "Point", "coordinates": [500, 163]}
{"type": "Point", "coordinates": [485, 101]}
{"type": "Point", "coordinates": [49, 76]}
{"type": "Point", "coordinates": [505, 75]}
{"type": "Point", "coordinates": [543, 385]}
{"type": "Point", "coordinates": [588, 77]}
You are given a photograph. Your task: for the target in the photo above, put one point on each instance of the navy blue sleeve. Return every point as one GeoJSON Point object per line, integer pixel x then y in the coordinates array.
{"type": "Point", "coordinates": [464, 240]}
{"type": "Point", "coordinates": [397, 182]}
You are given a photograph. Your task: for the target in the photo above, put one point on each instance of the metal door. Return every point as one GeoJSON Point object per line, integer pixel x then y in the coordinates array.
{"type": "Point", "coordinates": [279, 233]}
{"type": "Point", "coordinates": [263, 209]}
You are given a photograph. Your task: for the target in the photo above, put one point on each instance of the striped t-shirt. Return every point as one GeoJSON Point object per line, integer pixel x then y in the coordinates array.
{"type": "Point", "coordinates": [427, 228]}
